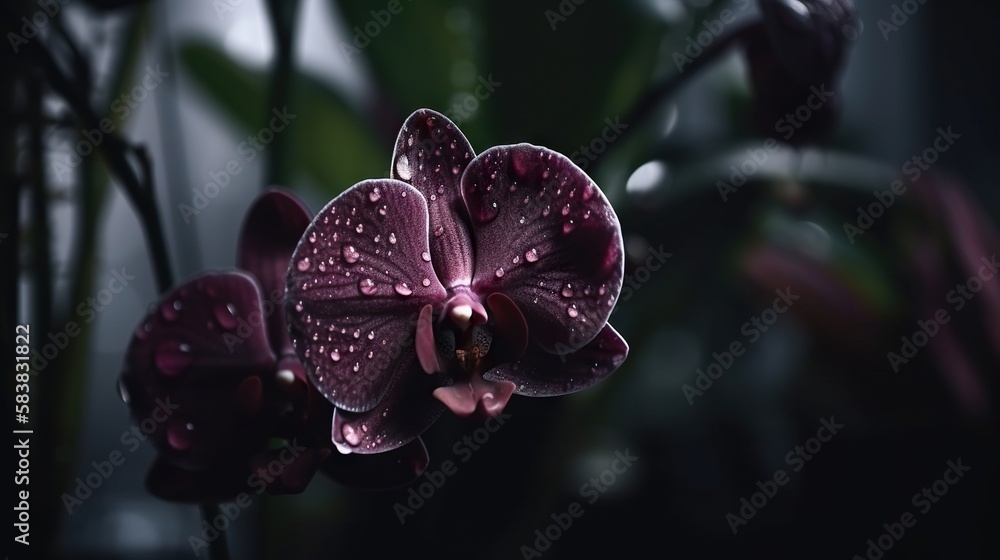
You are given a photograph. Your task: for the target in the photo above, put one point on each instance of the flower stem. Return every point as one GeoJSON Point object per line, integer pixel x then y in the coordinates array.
{"type": "Point", "coordinates": [218, 548]}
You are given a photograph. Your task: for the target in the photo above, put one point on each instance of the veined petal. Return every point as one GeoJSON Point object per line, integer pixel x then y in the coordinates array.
{"type": "Point", "coordinates": [431, 154]}
{"type": "Point", "coordinates": [546, 237]}
{"type": "Point", "coordinates": [541, 374]}
{"type": "Point", "coordinates": [194, 358]}
{"type": "Point", "coordinates": [271, 229]}
{"type": "Point", "coordinates": [407, 410]}
{"type": "Point", "coordinates": [356, 284]}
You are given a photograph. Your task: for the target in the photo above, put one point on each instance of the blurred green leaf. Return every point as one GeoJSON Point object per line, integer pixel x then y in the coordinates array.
{"type": "Point", "coordinates": [330, 145]}
{"type": "Point", "coordinates": [565, 72]}
{"type": "Point", "coordinates": [426, 55]}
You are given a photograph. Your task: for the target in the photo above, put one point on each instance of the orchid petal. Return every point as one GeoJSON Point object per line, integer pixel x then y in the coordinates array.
{"type": "Point", "coordinates": [356, 284]}
{"type": "Point", "coordinates": [431, 154]}
{"type": "Point", "coordinates": [406, 411]}
{"type": "Point", "coordinates": [189, 357]}
{"type": "Point", "coordinates": [547, 238]}
{"type": "Point", "coordinates": [541, 374]}
{"type": "Point", "coordinates": [271, 230]}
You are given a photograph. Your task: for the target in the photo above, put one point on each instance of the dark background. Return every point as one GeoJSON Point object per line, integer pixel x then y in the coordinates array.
{"type": "Point", "coordinates": [825, 358]}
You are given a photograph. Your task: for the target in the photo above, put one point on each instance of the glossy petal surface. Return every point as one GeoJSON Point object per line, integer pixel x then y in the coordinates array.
{"type": "Point", "coordinates": [407, 410]}
{"type": "Point", "coordinates": [271, 230]}
{"type": "Point", "coordinates": [547, 238]}
{"type": "Point", "coordinates": [431, 154]}
{"type": "Point", "coordinates": [541, 374]}
{"type": "Point", "coordinates": [187, 361]}
{"type": "Point", "coordinates": [356, 284]}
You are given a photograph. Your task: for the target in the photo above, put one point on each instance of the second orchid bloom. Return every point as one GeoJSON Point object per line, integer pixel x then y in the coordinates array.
{"type": "Point", "coordinates": [455, 283]}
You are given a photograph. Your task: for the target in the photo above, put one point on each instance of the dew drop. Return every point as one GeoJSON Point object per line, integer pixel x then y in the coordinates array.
{"type": "Point", "coordinates": [357, 334]}
{"type": "Point", "coordinates": [351, 436]}
{"type": "Point", "coordinates": [312, 237]}
{"type": "Point", "coordinates": [360, 228]}
{"type": "Point", "coordinates": [455, 170]}
{"type": "Point", "coordinates": [439, 231]}
{"type": "Point", "coordinates": [298, 307]}
{"type": "Point", "coordinates": [568, 227]}
{"type": "Point", "coordinates": [225, 315]}
{"type": "Point", "coordinates": [403, 168]}
{"type": "Point", "coordinates": [335, 356]}
{"type": "Point", "coordinates": [426, 256]}
{"type": "Point", "coordinates": [531, 256]}
{"type": "Point", "coordinates": [179, 435]}
{"type": "Point", "coordinates": [367, 287]}
{"type": "Point", "coordinates": [567, 290]}
{"type": "Point", "coordinates": [322, 266]}
{"type": "Point", "coordinates": [565, 210]}
{"type": "Point", "coordinates": [172, 357]}
{"type": "Point", "coordinates": [371, 335]}
{"type": "Point", "coordinates": [402, 289]}
{"type": "Point", "coordinates": [304, 264]}
{"type": "Point", "coordinates": [357, 366]}
{"type": "Point", "coordinates": [392, 238]}
{"type": "Point", "coordinates": [123, 392]}
{"type": "Point", "coordinates": [572, 311]}
{"type": "Point", "coordinates": [425, 282]}
{"type": "Point", "coordinates": [350, 254]}
{"type": "Point", "coordinates": [500, 272]}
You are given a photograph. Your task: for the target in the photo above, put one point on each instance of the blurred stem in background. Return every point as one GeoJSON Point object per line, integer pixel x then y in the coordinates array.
{"type": "Point", "coordinates": [282, 18]}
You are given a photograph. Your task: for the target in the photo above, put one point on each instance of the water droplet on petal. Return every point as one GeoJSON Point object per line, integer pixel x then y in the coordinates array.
{"type": "Point", "coordinates": [455, 170]}
{"type": "Point", "coordinates": [350, 254]}
{"type": "Point", "coordinates": [335, 356]}
{"type": "Point", "coordinates": [402, 289]}
{"type": "Point", "coordinates": [567, 290]}
{"type": "Point", "coordinates": [568, 227]}
{"type": "Point", "coordinates": [425, 282]}
{"type": "Point", "coordinates": [226, 316]}
{"type": "Point", "coordinates": [403, 168]}
{"type": "Point", "coordinates": [357, 334]}
{"type": "Point", "coordinates": [360, 228]}
{"type": "Point", "coordinates": [500, 272]}
{"type": "Point", "coordinates": [172, 357]}
{"type": "Point", "coordinates": [392, 238]}
{"type": "Point", "coordinates": [565, 210]}
{"type": "Point", "coordinates": [572, 311]}
{"type": "Point", "coordinates": [439, 231]}
{"type": "Point", "coordinates": [531, 256]}
{"type": "Point", "coordinates": [304, 264]}
{"type": "Point", "coordinates": [425, 256]}
{"type": "Point", "coordinates": [179, 435]}
{"type": "Point", "coordinates": [371, 335]}
{"type": "Point", "coordinates": [351, 436]}
{"type": "Point", "coordinates": [123, 392]}
{"type": "Point", "coordinates": [367, 287]}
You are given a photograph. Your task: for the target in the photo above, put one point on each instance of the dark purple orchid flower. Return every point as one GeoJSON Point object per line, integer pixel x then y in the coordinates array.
{"type": "Point", "coordinates": [211, 377]}
{"type": "Point", "coordinates": [456, 283]}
